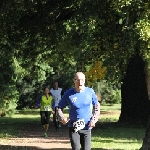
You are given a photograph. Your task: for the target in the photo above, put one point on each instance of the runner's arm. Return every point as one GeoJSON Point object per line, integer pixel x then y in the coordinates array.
{"type": "Point", "coordinates": [53, 104]}
{"type": "Point", "coordinates": [96, 105]}
{"type": "Point", "coordinates": [62, 104]}
{"type": "Point", "coordinates": [39, 101]}
{"type": "Point", "coordinates": [62, 93]}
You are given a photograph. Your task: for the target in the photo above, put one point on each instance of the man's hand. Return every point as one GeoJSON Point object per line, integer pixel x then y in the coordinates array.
{"type": "Point", "coordinates": [65, 120]}
{"type": "Point", "coordinates": [92, 124]}
{"type": "Point", "coordinates": [53, 112]}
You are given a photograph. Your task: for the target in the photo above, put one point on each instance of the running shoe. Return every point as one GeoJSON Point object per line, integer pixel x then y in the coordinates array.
{"type": "Point", "coordinates": [45, 134]}
{"type": "Point", "coordinates": [57, 129]}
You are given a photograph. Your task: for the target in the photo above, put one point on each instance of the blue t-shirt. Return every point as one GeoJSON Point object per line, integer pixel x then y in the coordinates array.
{"type": "Point", "coordinates": [80, 104]}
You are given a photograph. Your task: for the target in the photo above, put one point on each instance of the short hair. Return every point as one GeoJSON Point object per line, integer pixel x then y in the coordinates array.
{"type": "Point", "coordinates": [78, 73]}
{"type": "Point", "coordinates": [55, 81]}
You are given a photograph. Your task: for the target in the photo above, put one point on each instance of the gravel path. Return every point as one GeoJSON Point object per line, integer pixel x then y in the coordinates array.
{"type": "Point", "coordinates": [31, 138]}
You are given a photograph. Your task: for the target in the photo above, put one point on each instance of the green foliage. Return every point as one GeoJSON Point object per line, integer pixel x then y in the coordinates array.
{"type": "Point", "coordinates": [110, 96]}
{"type": "Point", "coordinates": [114, 33]}
{"type": "Point", "coordinates": [46, 40]}
{"type": "Point", "coordinates": [9, 98]}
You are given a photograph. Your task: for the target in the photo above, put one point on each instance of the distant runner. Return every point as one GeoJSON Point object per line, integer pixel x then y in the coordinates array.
{"type": "Point", "coordinates": [45, 105]}
{"type": "Point", "coordinates": [56, 94]}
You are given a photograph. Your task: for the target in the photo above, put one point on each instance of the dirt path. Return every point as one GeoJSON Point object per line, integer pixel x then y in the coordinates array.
{"type": "Point", "coordinates": [31, 138]}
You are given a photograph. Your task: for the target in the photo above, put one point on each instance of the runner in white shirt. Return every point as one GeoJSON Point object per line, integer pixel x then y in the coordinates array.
{"type": "Point", "coordinates": [56, 94]}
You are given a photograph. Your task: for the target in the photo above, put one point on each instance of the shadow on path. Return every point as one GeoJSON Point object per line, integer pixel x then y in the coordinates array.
{"type": "Point", "coordinates": [9, 147]}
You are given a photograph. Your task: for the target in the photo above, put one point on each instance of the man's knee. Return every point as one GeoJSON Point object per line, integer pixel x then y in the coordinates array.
{"type": "Point", "coordinates": [74, 139]}
{"type": "Point", "coordinates": [75, 144]}
{"type": "Point", "coordinates": [86, 141]}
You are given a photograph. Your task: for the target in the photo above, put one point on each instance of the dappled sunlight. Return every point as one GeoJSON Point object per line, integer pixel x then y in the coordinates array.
{"type": "Point", "coordinates": [25, 116]}
{"type": "Point", "coordinates": [29, 139]}
{"type": "Point", "coordinates": [116, 146]}
{"type": "Point", "coordinates": [109, 117]}
{"type": "Point", "coordinates": [114, 107]}
{"type": "Point", "coordinates": [114, 142]}
{"type": "Point", "coordinates": [112, 136]}
{"type": "Point", "coordinates": [39, 143]}
{"type": "Point", "coordinates": [24, 131]}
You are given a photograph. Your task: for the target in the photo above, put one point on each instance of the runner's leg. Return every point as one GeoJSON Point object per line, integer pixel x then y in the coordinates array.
{"type": "Point", "coordinates": [43, 121]}
{"type": "Point", "coordinates": [74, 139]}
{"type": "Point", "coordinates": [42, 114]}
{"type": "Point", "coordinates": [85, 139]}
{"type": "Point", "coordinates": [47, 117]}
{"type": "Point", "coordinates": [55, 121]}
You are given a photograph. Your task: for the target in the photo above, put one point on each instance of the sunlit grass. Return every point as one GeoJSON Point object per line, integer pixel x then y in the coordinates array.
{"type": "Point", "coordinates": [110, 108]}
{"type": "Point", "coordinates": [107, 135]}
{"type": "Point", "coordinates": [9, 126]}
{"type": "Point", "coordinates": [117, 138]}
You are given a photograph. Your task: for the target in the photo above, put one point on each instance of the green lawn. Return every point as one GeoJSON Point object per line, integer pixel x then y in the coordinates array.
{"type": "Point", "coordinates": [110, 135]}
{"type": "Point", "coordinates": [9, 125]}
{"type": "Point", "coordinates": [107, 135]}
{"type": "Point", "coordinates": [117, 138]}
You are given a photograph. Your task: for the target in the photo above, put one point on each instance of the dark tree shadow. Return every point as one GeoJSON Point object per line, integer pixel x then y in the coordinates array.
{"type": "Point", "coordinates": [9, 147]}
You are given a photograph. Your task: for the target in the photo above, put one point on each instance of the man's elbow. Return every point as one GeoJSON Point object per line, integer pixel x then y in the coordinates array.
{"type": "Point", "coordinates": [97, 108]}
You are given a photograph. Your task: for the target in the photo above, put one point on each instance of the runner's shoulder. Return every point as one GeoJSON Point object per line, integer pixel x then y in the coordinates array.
{"type": "Point", "coordinates": [51, 90]}
{"type": "Point", "coordinates": [70, 91]}
{"type": "Point", "coordinates": [89, 89]}
{"type": "Point", "coordinates": [59, 88]}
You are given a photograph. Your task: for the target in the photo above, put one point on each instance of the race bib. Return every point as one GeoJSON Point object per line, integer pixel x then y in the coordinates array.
{"type": "Point", "coordinates": [56, 99]}
{"type": "Point", "coordinates": [78, 125]}
{"type": "Point", "coordinates": [47, 108]}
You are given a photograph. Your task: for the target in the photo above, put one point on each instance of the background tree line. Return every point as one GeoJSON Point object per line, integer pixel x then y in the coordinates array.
{"type": "Point", "coordinates": [45, 40]}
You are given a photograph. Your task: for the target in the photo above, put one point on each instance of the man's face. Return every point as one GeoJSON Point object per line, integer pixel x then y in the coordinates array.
{"type": "Point", "coordinates": [79, 81]}
{"type": "Point", "coordinates": [56, 85]}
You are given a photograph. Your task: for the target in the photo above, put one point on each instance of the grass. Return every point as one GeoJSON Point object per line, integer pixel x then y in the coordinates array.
{"type": "Point", "coordinates": [117, 138]}
{"type": "Point", "coordinates": [10, 125]}
{"type": "Point", "coordinates": [108, 135]}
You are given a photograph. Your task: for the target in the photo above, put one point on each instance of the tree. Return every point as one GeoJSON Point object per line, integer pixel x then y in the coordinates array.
{"type": "Point", "coordinates": [29, 46]}
{"type": "Point", "coordinates": [39, 34]}
{"type": "Point", "coordinates": [117, 31]}
{"type": "Point", "coordinates": [135, 102]}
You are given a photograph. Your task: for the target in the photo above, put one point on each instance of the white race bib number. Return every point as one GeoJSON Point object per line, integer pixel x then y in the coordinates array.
{"type": "Point", "coordinates": [47, 108]}
{"type": "Point", "coordinates": [78, 125]}
{"type": "Point", "coordinates": [56, 99]}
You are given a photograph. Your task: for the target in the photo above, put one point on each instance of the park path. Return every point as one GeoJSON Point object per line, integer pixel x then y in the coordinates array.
{"type": "Point", "coordinates": [31, 138]}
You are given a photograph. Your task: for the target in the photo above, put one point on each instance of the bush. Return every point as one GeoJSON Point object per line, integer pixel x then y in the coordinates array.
{"type": "Point", "coordinates": [109, 94]}
{"type": "Point", "coordinates": [9, 97]}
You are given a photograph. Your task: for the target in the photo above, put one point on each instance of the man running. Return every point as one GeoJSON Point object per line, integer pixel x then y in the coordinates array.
{"type": "Point", "coordinates": [81, 120]}
{"type": "Point", "coordinates": [45, 105]}
{"type": "Point", "coordinates": [56, 94]}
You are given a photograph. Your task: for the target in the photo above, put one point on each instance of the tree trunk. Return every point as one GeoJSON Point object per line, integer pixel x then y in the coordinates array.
{"type": "Point", "coordinates": [135, 102]}
{"type": "Point", "coordinates": [146, 140]}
